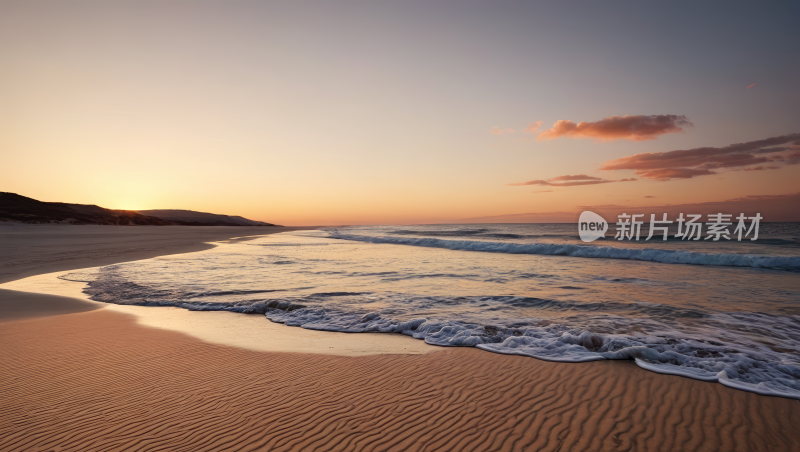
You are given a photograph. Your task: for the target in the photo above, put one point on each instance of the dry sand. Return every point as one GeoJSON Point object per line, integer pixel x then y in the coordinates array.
{"type": "Point", "coordinates": [97, 380]}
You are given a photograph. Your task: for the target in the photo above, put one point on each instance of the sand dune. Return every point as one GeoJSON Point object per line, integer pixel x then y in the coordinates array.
{"type": "Point", "coordinates": [97, 381]}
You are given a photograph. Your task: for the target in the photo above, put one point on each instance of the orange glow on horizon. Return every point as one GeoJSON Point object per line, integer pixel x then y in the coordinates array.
{"type": "Point", "coordinates": [309, 116]}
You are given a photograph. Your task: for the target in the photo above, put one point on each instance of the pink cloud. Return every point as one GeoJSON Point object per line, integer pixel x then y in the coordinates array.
{"type": "Point", "coordinates": [629, 127]}
{"type": "Point", "coordinates": [664, 174]}
{"type": "Point", "coordinates": [533, 127]}
{"type": "Point", "coordinates": [576, 177]}
{"type": "Point", "coordinates": [569, 181]}
{"type": "Point", "coordinates": [770, 153]}
{"type": "Point", "coordinates": [751, 86]}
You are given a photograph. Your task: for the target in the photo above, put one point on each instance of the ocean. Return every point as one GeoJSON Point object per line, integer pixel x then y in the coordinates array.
{"type": "Point", "coordinates": [723, 311]}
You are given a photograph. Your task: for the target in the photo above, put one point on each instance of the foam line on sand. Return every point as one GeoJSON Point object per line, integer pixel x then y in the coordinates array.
{"type": "Point", "coordinates": [253, 332]}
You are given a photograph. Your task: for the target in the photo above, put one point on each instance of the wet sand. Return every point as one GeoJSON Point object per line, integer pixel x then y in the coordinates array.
{"type": "Point", "coordinates": [78, 379]}
{"type": "Point", "coordinates": [28, 250]}
{"type": "Point", "coordinates": [47, 294]}
{"type": "Point", "coordinates": [18, 305]}
{"type": "Point", "coordinates": [98, 381]}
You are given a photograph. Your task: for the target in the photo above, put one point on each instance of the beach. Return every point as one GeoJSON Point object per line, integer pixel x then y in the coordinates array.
{"type": "Point", "coordinates": [35, 249]}
{"type": "Point", "coordinates": [78, 375]}
{"type": "Point", "coordinates": [399, 226]}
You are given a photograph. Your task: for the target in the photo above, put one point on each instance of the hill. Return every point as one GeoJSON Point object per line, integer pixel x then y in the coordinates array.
{"type": "Point", "coordinates": [14, 207]}
{"type": "Point", "coordinates": [202, 217]}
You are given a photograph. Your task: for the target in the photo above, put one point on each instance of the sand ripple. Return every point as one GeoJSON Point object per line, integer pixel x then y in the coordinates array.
{"type": "Point", "coordinates": [96, 382]}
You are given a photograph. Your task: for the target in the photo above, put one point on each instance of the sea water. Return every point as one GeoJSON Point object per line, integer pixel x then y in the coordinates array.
{"type": "Point", "coordinates": [725, 311]}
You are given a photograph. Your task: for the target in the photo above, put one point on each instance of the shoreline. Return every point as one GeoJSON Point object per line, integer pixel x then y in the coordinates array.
{"type": "Point", "coordinates": [253, 332]}
{"type": "Point", "coordinates": [31, 250]}
{"type": "Point", "coordinates": [98, 380]}
{"type": "Point", "coordinates": [46, 294]}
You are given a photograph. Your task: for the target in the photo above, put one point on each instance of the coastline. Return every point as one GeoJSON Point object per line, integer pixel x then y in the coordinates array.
{"type": "Point", "coordinates": [46, 294]}
{"type": "Point", "coordinates": [98, 380]}
{"type": "Point", "coordinates": [30, 250]}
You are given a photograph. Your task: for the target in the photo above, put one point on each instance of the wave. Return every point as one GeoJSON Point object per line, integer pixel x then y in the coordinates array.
{"type": "Point", "coordinates": [693, 358]}
{"type": "Point", "coordinates": [786, 263]}
{"type": "Point", "coordinates": [650, 334]}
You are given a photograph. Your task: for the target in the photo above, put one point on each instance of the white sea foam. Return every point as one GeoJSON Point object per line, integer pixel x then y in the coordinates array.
{"type": "Point", "coordinates": [732, 360]}
{"type": "Point", "coordinates": [751, 367]}
{"type": "Point", "coordinates": [788, 263]}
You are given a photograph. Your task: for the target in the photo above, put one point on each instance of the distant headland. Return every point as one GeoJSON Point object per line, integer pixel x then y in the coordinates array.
{"type": "Point", "coordinates": [18, 208]}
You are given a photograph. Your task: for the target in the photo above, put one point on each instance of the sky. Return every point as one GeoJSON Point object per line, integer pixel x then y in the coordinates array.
{"type": "Point", "coordinates": [340, 112]}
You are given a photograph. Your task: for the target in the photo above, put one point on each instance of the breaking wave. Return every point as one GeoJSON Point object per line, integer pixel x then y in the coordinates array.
{"type": "Point", "coordinates": [786, 263]}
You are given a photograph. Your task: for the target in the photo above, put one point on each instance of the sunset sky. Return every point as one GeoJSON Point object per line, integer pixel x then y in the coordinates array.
{"type": "Point", "coordinates": [338, 112]}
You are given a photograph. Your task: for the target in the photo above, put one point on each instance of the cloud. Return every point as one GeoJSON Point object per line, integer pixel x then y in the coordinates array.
{"type": "Point", "coordinates": [770, 153]}
{"type": "Point", "coordinates": [751, 86]}
{"type": "Point", "coordinates": [649, 196]}
{"type": "Point", "coordinates": [576, 177]}
{"type": "Point", "coordinates": [543, 191]}
{"type": "Point", "coordinates": [533, 127]}
{"type": "Point", "coordinates": [630, 127]}
{"type": "Point", "coordinates": [673, 173]}
{"type": "Point", "coordinates": [771, 207]}
{"type": "Point", "coordinates": [569, 181]}
{"type": "Point", "coordinates": [791, 159]}
{"type": "Point", "coordinates": [760, 168]}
